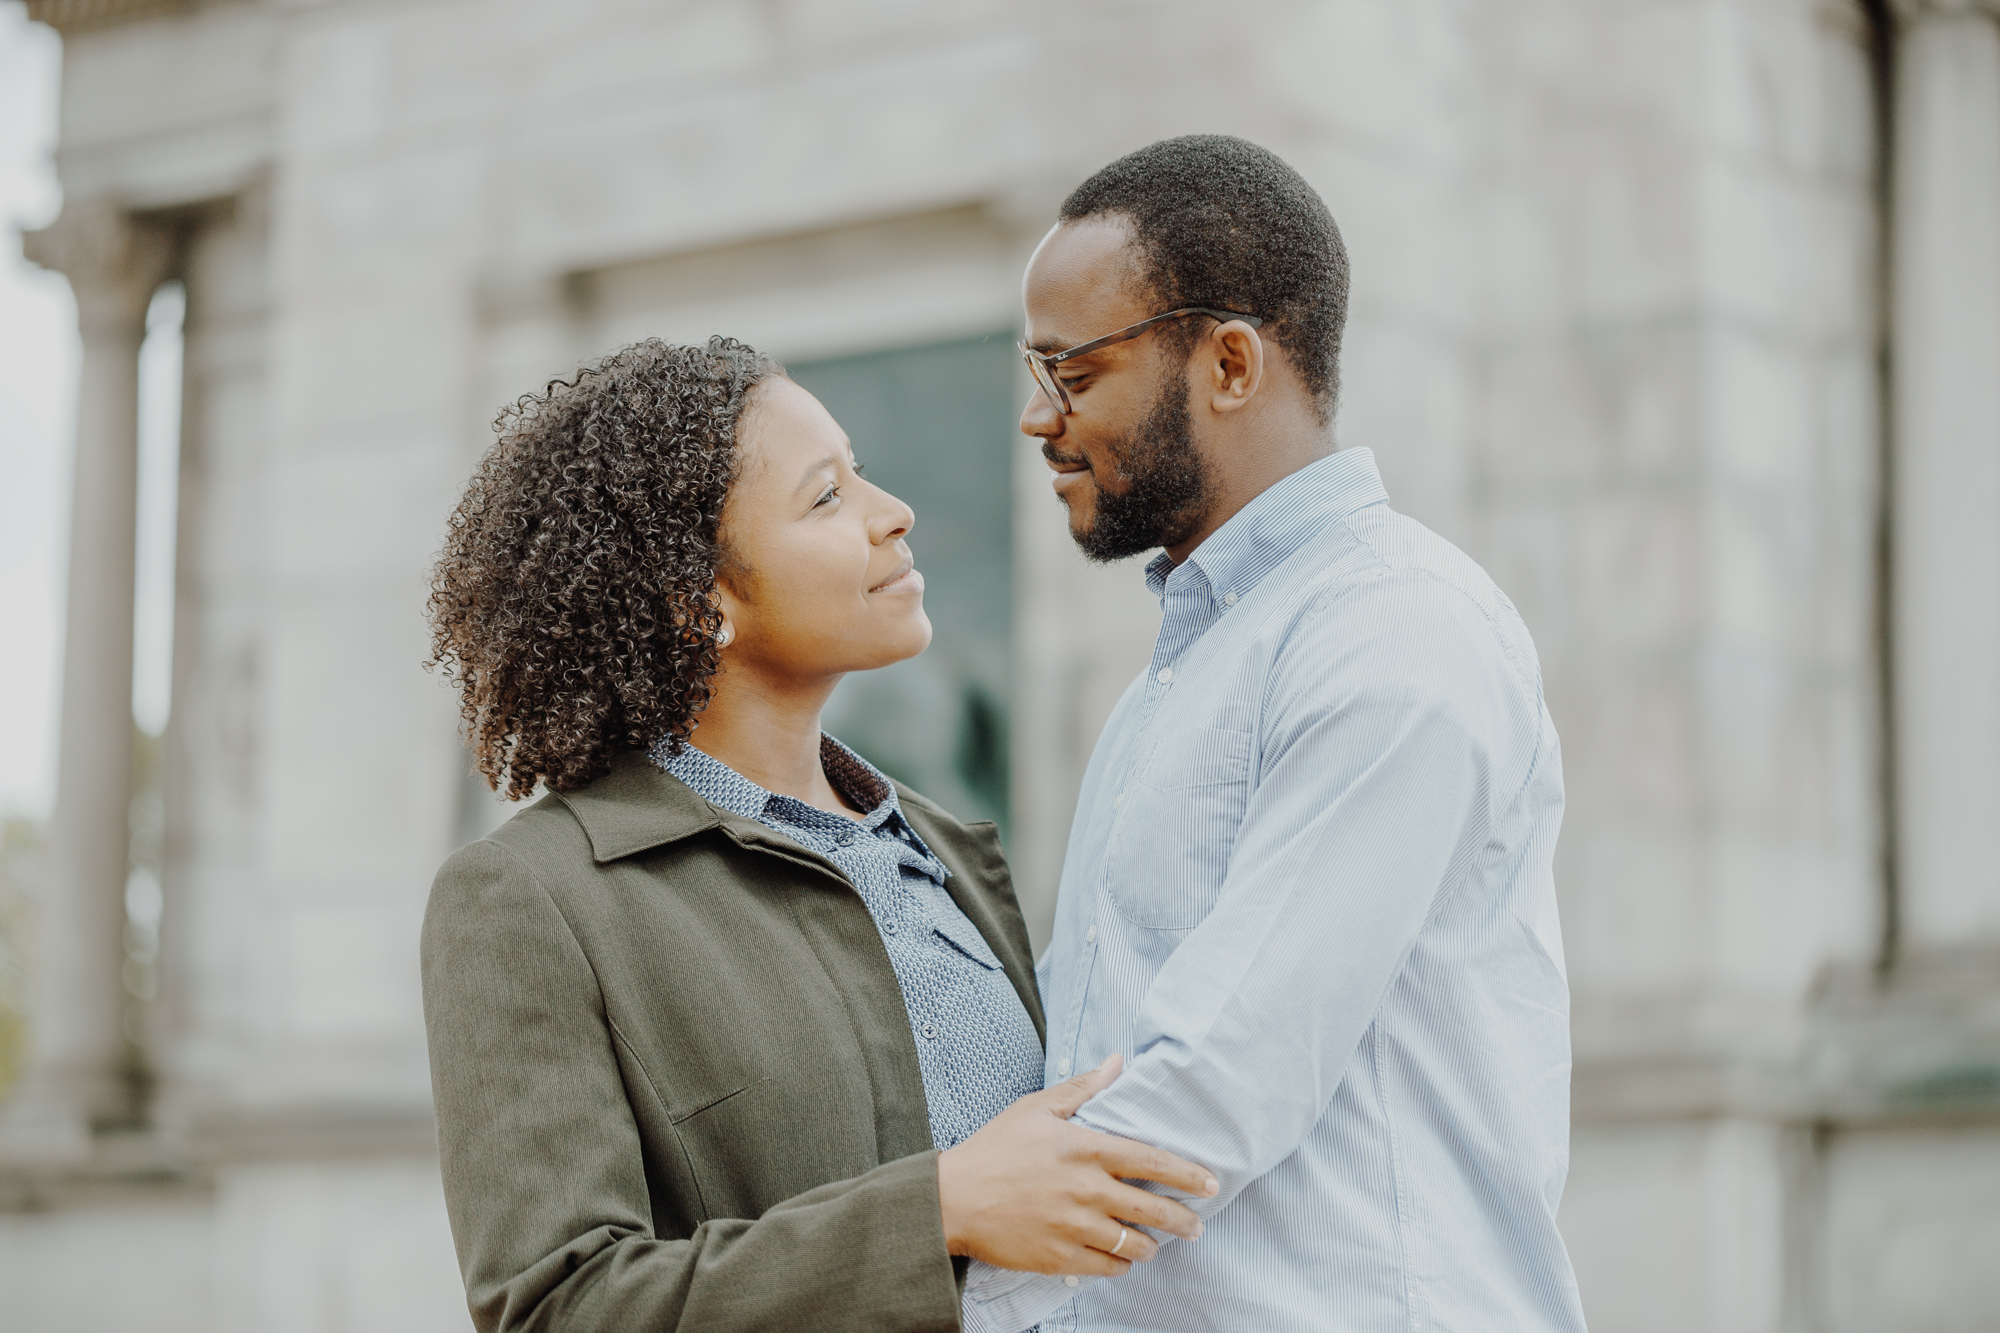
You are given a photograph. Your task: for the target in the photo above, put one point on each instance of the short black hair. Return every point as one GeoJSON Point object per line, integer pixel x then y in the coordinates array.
{"type": "Point", "coordinates": [1219, 221]}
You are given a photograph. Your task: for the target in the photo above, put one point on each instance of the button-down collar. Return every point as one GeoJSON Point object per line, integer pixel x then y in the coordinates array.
{"type": "Point", "coordinates": [1259, 536]}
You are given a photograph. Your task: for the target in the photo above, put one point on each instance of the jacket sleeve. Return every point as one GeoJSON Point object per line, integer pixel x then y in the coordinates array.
{"type": "Point", "coordinates": [543, 1172]}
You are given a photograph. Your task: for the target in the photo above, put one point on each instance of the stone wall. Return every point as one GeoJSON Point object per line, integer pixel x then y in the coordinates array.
{"type": "Point", "coordinates": [1616, 331]}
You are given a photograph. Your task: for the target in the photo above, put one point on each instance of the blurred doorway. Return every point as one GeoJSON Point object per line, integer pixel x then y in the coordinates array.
{"type": "Point", "coordinates": [933, 424]}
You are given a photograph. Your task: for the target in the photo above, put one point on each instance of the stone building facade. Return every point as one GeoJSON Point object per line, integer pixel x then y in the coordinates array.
{"type": "Point", "coordinates": [1682, 316]}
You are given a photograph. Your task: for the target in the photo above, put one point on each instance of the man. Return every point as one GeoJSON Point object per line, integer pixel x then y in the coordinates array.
{"type": "Point", "coordinates": [1308, 893]}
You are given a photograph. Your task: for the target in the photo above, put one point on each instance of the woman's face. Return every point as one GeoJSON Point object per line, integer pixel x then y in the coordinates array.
{"type": "Point", "coordinates": [823, 583]}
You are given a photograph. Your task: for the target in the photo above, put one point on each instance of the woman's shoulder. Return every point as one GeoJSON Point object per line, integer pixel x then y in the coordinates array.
{"type": "Point", "coordinates": [631, 808]}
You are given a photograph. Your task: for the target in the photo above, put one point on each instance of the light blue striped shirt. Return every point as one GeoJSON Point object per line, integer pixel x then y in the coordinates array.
{"type": "Point", "coordinates": [1308, 895]}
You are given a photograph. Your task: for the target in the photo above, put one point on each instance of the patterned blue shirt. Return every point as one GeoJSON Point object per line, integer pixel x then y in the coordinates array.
{"type": "Point", "coordinates": [976, 1044]}
{"type": "Point", "coordinates": [1309, 896]}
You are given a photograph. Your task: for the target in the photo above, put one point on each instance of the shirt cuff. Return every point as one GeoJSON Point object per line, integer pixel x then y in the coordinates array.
{"type": "Point", "coordinates": [1000, 1300]}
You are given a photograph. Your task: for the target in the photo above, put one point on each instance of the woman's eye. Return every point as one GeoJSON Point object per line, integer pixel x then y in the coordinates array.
{"type": "Point", "coordinates": [830, 493]}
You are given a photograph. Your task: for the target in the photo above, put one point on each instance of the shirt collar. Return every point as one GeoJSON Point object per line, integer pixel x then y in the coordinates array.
{"type": "Point", "coordinates": [1258, 537]}
{"type": "Point", "coordinates": [722, 786]}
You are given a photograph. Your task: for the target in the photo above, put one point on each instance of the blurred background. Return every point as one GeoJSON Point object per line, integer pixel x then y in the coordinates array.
{"type": "Point", "coordinates": [1681, 316]}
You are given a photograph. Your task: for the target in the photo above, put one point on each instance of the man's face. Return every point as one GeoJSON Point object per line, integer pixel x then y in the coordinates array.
{"type": "Point", "coordinates": [1124, 457]}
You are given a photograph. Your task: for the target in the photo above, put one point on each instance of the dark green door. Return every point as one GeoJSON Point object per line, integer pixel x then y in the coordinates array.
{"type": "Point", "coordinates": [934, 424]}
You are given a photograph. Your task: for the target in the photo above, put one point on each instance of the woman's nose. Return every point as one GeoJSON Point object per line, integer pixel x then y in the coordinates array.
{"type": "Point", "coordinates": [893, 519]}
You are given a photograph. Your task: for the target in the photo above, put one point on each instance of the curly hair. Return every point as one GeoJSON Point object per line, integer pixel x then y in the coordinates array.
{"type": "Point", "coordinates": [1219, 221]}
{"type": "Point", "coordinates": [573, 600]}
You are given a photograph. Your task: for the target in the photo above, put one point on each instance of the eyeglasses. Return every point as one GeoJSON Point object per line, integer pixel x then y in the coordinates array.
{"type": "Point", "coordinates": [1041, 365]}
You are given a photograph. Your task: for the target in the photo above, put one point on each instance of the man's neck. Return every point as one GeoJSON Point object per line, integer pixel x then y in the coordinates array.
{"type": "Point", "coordinates": [1244, 479]}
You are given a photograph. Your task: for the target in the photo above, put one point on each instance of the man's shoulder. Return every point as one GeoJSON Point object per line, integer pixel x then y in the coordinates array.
{"type": "Point", "coordinates": [1388, 581]}
{"type": "Point", "coordinates": [1397, 553]}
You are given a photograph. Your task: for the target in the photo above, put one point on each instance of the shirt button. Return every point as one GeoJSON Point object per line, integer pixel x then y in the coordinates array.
{"type": "Point", "coordinates": [1090, 936]}
{"type": "Point", "coordinates": [1166, 676]}
{"type": "Point", "coordinates": [1229, 599]}
{"type": "Point", "coordinates": [930, 1031]}
{"type": "Point", "coordinates": [1062, 1066]}
{"type": "Point", "coordinates": [1118, 801]}
{"type": "Point", "coordinates": [1069, 1282]}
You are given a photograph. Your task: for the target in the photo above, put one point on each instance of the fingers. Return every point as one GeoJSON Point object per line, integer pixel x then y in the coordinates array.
{"type": "Point", "coordinates": [1088, 1262]}
{"type": "Point", "coordinates": [1064, 1098]}
{"type": "Point", "coordinates": [1142, 1161]}
{"type": "Point", "coordinates": [1153, 1210]}
{"type": "Point", "coordinates": [1129, 1243]}
{"type": "Point", "coordinates": [1096, 1263]}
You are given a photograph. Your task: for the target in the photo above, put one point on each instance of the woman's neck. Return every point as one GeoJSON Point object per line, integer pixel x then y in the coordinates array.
{"type": "Point", "coordinates": [770, 734]}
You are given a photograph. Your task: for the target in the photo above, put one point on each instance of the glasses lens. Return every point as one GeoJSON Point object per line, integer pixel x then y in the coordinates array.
{"type": "Point", "coordinates": [1046, 378]}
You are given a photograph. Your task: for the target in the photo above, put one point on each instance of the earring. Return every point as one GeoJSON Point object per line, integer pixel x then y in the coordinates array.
{"type": "Point", "coordinates": [722, 639]}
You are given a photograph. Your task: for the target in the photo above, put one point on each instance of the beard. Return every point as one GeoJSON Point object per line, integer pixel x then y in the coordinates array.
{"type": "Point", "coordinates": [1166, 485]}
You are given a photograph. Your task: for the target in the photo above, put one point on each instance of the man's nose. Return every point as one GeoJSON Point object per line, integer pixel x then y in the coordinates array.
{"type": "Point", "coordinates": [1040, 418]}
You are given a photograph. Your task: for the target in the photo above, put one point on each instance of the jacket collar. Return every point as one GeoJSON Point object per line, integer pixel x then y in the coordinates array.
{"type": "Point", "coordinates": [637, 807]}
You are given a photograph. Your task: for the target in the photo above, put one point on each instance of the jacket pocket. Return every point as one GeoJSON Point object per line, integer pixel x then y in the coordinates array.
{"type": "Point", "coordinates": [715, 1099]}
{"type": "Point", "coordinates": [1177, 822]}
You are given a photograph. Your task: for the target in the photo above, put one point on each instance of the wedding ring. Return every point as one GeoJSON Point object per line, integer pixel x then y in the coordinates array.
{"type": "Point", "coordinates": [1122, 1233]}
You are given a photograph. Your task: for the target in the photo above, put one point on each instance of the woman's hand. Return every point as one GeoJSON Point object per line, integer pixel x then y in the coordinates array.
{"type": "Point", "coordinates": [1032, 1192]}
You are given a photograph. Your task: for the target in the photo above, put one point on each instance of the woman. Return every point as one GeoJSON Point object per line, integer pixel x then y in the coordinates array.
{"type": "Point", "coordinates": [715, 1025]}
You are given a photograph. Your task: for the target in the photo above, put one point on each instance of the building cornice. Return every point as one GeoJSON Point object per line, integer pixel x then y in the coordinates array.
{"type": "Point", "coordinates": [1915, 11]}
{"type": "Point", "coordinates": [69, 16]}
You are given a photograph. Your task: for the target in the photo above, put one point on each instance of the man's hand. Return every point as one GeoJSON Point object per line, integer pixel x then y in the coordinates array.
{"type": "Point", "coordinates": [1035, 1193]}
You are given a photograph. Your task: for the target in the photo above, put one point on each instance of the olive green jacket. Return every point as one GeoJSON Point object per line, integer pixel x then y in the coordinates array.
{"type": "Point", "coordinates": [676, 1086]}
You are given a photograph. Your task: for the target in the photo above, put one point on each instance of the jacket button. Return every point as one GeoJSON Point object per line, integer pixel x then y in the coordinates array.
{"type": "Point", "coordinates": [930, 1030]}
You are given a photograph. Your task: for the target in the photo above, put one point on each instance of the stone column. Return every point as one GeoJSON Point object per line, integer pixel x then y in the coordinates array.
{"type": "Point", "coordinates": [1946, 313]}
{"type": "Point", "coordinates": [77, 1080]}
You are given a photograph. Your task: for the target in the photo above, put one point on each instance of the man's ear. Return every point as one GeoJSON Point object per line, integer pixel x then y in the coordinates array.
{"type": "Point", "coordinates": [1234, 365]}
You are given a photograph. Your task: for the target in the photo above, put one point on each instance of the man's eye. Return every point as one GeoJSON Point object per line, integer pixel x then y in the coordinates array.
{"type": "Point", "coordinates": [1073, 382]}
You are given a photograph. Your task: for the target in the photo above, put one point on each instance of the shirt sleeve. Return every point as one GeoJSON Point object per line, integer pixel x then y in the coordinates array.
{"type": "Point", "coordinates": [1391, 743]}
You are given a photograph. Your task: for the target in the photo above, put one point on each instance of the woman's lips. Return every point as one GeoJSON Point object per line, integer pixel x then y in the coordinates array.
{"type": "Point", "coordinates": [906, 579]}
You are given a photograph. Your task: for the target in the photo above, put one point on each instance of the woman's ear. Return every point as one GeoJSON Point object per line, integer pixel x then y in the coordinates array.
{"type": "Point", "coordinates": [733, 608]}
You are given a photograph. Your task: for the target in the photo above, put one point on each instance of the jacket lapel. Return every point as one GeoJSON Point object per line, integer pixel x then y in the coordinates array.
{"type": "Point", "coordinates": [637, 806]}
{"type": "Point", "coordinates": [979, 883]}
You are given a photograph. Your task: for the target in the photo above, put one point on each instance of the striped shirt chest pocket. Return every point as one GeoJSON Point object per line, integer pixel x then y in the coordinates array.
{"type": "Point", "coordinates": [1176, 823]}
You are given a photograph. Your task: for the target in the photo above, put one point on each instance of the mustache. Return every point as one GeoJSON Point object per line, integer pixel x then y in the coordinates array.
{"type": "Point", "coordinates": [1054, 455]}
